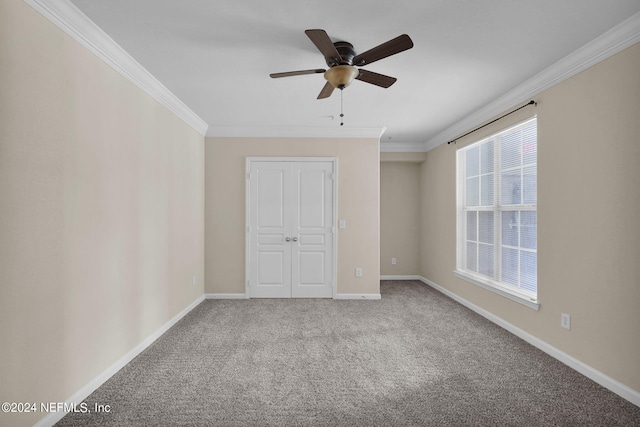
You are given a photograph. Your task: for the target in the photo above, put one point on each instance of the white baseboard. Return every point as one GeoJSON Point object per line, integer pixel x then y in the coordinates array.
{"type": "Point", "coordinates": [357, 296]}
{"type": "Point", "coordinates": [337, 296]}
{"type": "Point", "coordinates": [225, 296]}
{"type": "Point", "coordinates": [400, 277]}
{"type": "Point", "coordinates": [615, 386]}
{"type": "Point", "coordinates": [85, 391]}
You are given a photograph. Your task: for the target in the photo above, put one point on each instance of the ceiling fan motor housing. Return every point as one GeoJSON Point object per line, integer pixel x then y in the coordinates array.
{"type": "Point", "coordinates": [347, 53]}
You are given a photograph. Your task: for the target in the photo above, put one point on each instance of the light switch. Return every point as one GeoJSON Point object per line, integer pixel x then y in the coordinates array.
{"type": "Point", "coordinates": [343, 224]}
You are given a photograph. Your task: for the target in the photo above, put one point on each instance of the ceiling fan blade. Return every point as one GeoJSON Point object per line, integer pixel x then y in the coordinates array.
{"type": "Point", "coordinates": [326, 91]}
{"type": "Point", "coordinates": [324, 45]}
{"type": "Point", "coordinates": [297, 73]}
{"type": "Point", "coordinates": [376, 79]}
{"type": "Point", "coordinates": [393, 46]}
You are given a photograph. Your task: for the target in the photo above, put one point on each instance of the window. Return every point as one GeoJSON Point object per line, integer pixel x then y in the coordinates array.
{"type": "Point", "coordinates": [497, 213]}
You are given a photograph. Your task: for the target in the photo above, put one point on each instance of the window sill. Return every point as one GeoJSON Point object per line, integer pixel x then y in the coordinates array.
{"type": "Point", "coordinates": [526, 301]}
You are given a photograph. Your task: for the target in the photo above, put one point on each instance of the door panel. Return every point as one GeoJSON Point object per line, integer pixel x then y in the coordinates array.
{"type": "Point", "coordinates": [270, 194]}
{"type": "Point", "coordinates": [270, 268]}
{"type": "Point", "coordinates": [270, 263]}
{"type": "Point", "coordinates": [291, 229]}
{"type": "Point", "coordinates": [312, 269]}
{"type": "Point", "coordinates": [311, 239]}
{"type": "Point", "coordinates": [311, 189]}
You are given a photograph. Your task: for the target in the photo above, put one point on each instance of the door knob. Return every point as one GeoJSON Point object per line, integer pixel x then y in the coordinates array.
{"type": "Point", "coordinates": [295, 239]}
{"type": "Point", "coordinates": [287, 239]}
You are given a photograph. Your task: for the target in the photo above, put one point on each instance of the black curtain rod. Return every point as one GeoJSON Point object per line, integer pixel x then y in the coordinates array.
{"type": "Point", "coordinates": [532, 102]}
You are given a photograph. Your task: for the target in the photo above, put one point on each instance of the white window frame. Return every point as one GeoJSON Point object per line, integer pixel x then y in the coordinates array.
{"type": "Point", "coordinates": [521, 296]}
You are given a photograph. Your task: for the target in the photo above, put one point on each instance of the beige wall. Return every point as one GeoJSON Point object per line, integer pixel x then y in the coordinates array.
{"type": "Point", "coordinates": [399, 216]}
{"type": "Point", "coordinates": [101, 213]}
{"type": "Point", "coordinates": [358, 204]}
{"type": "Point", "coordinates": [588, 219]}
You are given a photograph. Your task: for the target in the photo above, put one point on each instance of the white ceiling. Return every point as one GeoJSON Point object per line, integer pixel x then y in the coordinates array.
{"type": "Point", "coordinates": [216, 56]}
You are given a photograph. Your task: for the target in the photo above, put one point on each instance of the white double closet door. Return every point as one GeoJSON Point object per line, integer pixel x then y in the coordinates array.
{"type": "Point", "coordinates": [291, 228]}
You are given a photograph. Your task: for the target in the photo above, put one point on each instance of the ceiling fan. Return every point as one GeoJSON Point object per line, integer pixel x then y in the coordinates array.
{"type": "Point", "coordinates": [343, 62]}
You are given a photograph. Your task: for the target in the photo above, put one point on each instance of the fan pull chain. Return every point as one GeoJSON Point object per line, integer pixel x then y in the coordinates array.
{"type": "Point", "coordinates": [341, 108]}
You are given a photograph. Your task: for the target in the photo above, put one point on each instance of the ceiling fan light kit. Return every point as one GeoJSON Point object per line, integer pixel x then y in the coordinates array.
{"type": "Point", "coordinates": [341, 76]}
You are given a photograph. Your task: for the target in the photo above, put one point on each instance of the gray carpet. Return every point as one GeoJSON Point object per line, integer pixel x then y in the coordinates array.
{"type": "Point", "coordinates": [415, 358]}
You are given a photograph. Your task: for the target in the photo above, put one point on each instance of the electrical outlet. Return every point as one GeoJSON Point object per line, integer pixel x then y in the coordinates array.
{"type": "Point", "coordinates": [358, 272]}
{"type": "Point", "coordinates": [393, 261]}
{"type": "Point", "coordinates": [565, 320]}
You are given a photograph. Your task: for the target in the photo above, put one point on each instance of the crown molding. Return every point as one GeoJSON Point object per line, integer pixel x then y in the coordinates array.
{"type": "Point", "coordinates": [402, 147]}
{"type": "Point", "coordinates": [72, 21]}
{"type": "Point", "coordinates": [294, 132]}
{"type": "Point", "coordinates": [608, 44]}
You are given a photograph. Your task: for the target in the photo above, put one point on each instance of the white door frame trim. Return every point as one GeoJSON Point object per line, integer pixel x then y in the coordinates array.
{"type": "Point", "coordinates": [247, 245]}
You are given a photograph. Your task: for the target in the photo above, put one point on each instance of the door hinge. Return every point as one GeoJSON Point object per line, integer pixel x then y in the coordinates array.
{"type": "Point", "coordinates": [249, 175]}
{"type": "Point", "coordinates": [248, 229]}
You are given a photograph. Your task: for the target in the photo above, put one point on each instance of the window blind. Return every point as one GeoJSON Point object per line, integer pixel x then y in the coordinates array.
{"type": "Point", "coordinates": [497, 230]}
